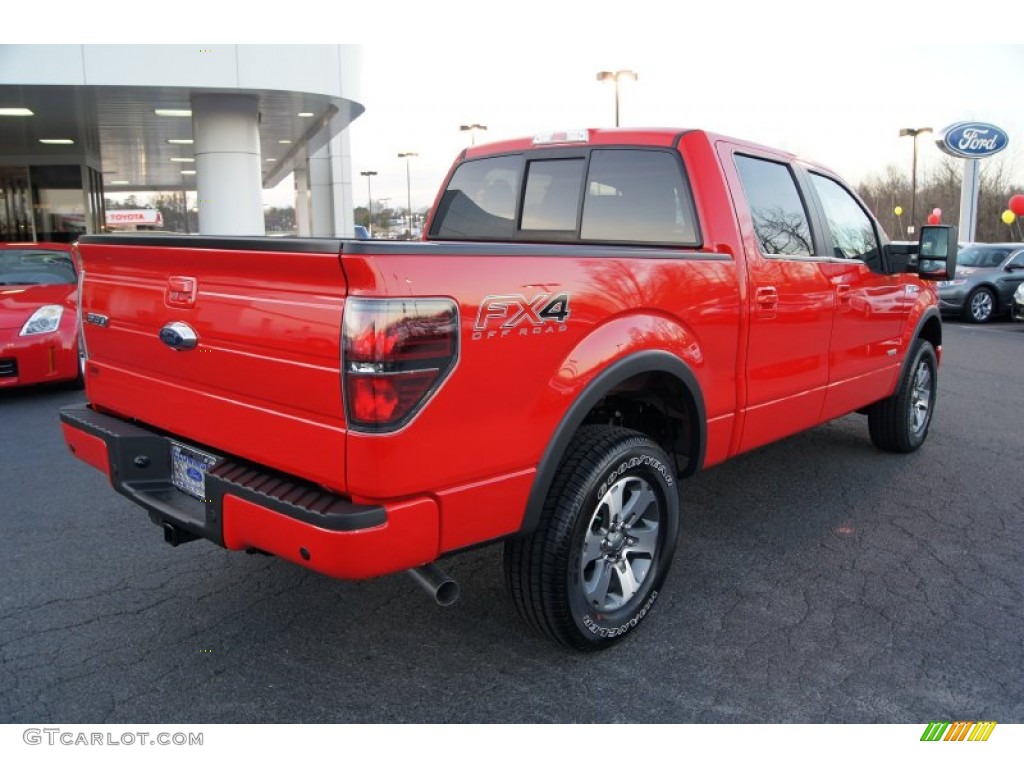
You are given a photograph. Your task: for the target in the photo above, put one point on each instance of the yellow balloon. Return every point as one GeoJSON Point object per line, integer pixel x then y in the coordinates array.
{"type": "Point", "coordinates": [1009, 217]}
{"type": "Point", "coordinates": [898, 210]}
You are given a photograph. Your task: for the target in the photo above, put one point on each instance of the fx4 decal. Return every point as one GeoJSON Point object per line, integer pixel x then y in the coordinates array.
{"type": "Point", "coordinates": [501, 315]}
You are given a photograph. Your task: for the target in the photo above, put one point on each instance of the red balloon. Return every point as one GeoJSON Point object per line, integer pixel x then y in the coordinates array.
{"type": "Point", "coordinates": [934, 218]}
{"type": "Point", "coordinates": [1017, 204]}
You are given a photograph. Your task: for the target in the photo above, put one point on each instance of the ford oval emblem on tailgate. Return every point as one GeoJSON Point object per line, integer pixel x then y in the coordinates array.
{"type": "Point", "coordinates": [179, 336]}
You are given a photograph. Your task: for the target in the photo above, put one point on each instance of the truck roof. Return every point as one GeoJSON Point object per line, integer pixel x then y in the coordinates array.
{"type": "Point", "coordinates": [654, 137]}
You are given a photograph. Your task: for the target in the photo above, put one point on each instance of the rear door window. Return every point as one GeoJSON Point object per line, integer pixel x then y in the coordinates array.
{"type": "Point", "coordinates": [780, 218]}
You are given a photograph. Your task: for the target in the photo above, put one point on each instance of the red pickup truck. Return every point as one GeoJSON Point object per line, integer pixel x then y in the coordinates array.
{"type": "Point", "coordinates": [594, 315]}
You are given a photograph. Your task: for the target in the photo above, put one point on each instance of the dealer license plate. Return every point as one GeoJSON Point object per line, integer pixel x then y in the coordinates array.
{"type": "Point", "coordinates": [188, 469]}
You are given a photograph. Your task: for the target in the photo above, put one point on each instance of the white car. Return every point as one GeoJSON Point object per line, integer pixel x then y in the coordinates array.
{"type": "Point", "coordinates": [1017, 310]}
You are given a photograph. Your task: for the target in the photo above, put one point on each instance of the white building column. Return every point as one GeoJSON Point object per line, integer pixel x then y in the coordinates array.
{"type": "Point", "coordinates": [302, 201]}
{"type": "Point", "coordinates": [227, 151]}
{"type": "Point", "coordinates": [341, 185]}
{"type": "Point", "coordinates": [321, 202]}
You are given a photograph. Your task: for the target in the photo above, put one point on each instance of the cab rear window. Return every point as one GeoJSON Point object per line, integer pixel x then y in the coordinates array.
{"type": "Point", "coordinates": [480, 201]}
{"type": "Point", "coordinates": [638, 196]}
{"type": "Point", "coordinates": [607, 195]}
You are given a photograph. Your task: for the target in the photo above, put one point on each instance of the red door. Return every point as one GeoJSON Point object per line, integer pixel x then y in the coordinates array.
{"type": "Point", "coordinates": [870, 306]}
{"type": "Point", "coordinates": [791, 300]}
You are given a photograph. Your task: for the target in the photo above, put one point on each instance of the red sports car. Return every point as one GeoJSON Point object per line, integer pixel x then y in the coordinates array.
{"type": "Point", "coordinates": [38, 314]}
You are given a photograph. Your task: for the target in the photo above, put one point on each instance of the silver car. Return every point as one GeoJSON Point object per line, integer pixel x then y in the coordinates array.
{"type": "Point", "coordinates": [987, 274]}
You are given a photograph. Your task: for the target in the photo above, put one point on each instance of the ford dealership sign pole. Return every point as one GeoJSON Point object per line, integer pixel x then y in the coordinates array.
{"type": "Point", "coordinates": [971, 141]}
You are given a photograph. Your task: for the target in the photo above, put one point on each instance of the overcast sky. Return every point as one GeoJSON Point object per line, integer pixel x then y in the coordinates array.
{"type": "Point", "coordinates": [832, 81]}
{"type": "Point", "coordinates": [842, 105]}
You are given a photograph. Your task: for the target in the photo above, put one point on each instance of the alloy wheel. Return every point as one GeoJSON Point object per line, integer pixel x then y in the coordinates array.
{"type": "Point", "coordinates": [920, 397]}
{"type": "Point", "coordinates": [981, 306]}
{"type": "Point", "coordinates": [620, 544]}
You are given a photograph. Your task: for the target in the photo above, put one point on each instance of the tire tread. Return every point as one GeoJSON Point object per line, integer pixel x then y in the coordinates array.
{"type": "Point", "coordinates": [886, 418]}
{"type": "Point", "coordinates": [531, 562]}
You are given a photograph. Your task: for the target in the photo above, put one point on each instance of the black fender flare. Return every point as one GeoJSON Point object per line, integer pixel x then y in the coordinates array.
{"type": "Point", "coordinates": [649, 361]}
{"type": "Point", "coordinates": [926, 316]}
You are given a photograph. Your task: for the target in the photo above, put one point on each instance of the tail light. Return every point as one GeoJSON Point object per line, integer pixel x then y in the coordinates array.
{"type": "Point", "coordinates": [395, 354]}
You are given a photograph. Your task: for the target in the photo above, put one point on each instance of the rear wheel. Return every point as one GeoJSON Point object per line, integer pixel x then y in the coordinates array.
{"type": "Point", "coordinates": [980, 306]}
{"type": "Point", "coordinates": [593, 568]}
{"type": "Point", "coordinates": [899, 424]}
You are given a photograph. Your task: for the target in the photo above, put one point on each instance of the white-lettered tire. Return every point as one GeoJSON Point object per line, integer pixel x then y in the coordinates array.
{"type": "Point", "coordinates": [899, 424]}
{"type": "Point", "coordinates": [591, 571]}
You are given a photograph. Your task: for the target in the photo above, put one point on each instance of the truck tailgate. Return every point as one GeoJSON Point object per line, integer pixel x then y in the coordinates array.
{"type": "Point", "coordinates": [263, 379]}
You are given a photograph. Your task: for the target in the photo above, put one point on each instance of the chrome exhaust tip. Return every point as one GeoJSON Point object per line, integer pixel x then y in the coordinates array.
{"type": "Point", "coordinates": [438, 584]}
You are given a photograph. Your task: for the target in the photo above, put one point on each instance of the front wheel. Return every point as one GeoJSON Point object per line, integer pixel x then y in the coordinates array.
{"type": "Point", "coordinates": [899, 424]}
{"type": "Point", "coordinates": [596, 563]}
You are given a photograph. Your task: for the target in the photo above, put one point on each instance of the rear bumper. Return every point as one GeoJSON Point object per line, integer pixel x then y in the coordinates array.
{"type": "Point", "coordinates": [250, 507]}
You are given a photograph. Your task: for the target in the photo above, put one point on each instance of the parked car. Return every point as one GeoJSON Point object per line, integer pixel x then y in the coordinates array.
{"type": "Point", "coordinates": [1017, 310]}
{"type": "Point", "coordinates": [986, 277]}
{"type": "Point", "coordinates": [38, 314]}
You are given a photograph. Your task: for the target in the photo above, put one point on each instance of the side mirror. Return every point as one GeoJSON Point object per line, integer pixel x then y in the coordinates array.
{"type": "Point", "coordinates": [936, 252]}
{"type": "Point", "coordinates": [901, 257]}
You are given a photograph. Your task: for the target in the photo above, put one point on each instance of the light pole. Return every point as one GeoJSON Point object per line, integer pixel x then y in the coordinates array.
{"type": "Point", "coordinates": [915, 132]}
{"type": "Point", "coordinates": [622, 74]}
{"type": "Point", "coordinates": [369, 197]}
{"type": "Point", "coordinates": [472, 131]}
{"type": "Point", "coordinates": [408, 185]}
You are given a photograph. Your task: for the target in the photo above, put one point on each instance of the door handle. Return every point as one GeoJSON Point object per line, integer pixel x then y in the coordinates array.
{"type": "Point", "coordinates": [766, 301]}
{"type": "Point", "coordinates": [843, 294]}
{"type": "Point", "coordinates": [766, 297]}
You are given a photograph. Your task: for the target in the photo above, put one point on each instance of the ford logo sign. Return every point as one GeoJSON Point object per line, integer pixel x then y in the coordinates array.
{"type": "Point", "coordinates": [194, 474]}
{"type": "Point", "coordinates": [179, 336]}
{"type": "Point", "coordinates": [972, 140]}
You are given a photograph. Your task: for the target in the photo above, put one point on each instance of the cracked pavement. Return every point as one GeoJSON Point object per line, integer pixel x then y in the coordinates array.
{"type": "Point", "coordinates": [816, 580]}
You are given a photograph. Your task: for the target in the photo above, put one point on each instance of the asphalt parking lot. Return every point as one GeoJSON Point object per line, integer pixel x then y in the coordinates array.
{"type": "Point", "coordinates": [816, 580]}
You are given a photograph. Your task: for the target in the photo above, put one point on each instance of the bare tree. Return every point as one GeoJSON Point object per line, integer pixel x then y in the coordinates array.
{"type": "Point", "coordinates": [782, 232]}
{"type": "Point", "coordinates": [941, 189]}
{"type": "Point", "coordinates": [884, 194]}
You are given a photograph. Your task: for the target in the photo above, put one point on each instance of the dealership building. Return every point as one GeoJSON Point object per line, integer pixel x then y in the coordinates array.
{"type": "Point", "coordinates": [225, 122]}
